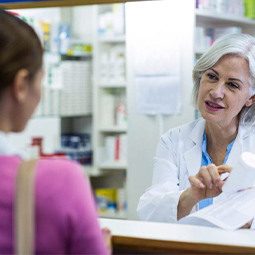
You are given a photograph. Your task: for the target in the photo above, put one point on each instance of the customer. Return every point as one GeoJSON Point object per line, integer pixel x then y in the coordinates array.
{"type": "Point", "coordinates": [190, 159]}
{"type": "Point", "coordinates": [65, 216]}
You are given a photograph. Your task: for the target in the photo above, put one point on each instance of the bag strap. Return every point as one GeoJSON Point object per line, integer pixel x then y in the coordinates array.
{"type": "Point", "coordinates": [24, 208]}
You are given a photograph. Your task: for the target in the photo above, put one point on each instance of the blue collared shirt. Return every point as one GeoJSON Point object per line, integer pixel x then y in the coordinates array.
{"type": "Point", "coordinates": [206, 160]}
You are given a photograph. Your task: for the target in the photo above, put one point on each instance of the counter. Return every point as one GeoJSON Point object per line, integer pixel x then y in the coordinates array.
{"type": "Point", "coordinates": [139, 237]}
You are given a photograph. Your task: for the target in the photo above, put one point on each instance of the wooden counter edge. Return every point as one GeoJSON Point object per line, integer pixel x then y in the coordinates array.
{"type": "Point", "coordinates": [60, 3]}
{"type": "Point", "coordinates": [132, 245]}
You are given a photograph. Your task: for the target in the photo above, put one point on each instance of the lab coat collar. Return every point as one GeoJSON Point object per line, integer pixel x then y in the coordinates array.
{"type": "Point", "coordinates": [192, 160]}
{"type": "Point", "coordinates": [196, 134]}
{"type": "Point", "coordinates": [244, 131]}
{"type": "Point", "coordinates": [235, 153]}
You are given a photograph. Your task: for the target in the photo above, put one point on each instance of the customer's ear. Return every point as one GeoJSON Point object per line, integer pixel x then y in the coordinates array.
{"type": "Point", "coordinates": [20, 85]}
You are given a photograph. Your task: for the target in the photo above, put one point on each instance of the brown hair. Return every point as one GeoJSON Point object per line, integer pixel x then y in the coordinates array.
{"type": "Point", "coordinates": [20, 48]}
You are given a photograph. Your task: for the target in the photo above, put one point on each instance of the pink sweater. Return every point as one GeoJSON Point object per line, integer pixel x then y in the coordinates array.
{"type": "Point", "coordinates": [66, 217]}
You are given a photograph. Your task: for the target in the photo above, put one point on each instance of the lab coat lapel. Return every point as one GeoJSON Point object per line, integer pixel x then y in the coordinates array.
{"type": "Point", "coordinates": [193, 155]}
{"type": "Point", "coordinates": [237, 149]}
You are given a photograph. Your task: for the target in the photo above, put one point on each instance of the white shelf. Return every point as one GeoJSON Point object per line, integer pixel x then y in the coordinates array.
{"type": "Point", "coordinates": [91, 171]}
{"type": "Point", "coordinates": [113, 85]}
{"type": "Point", "coordinates": [113, 166]}
{"type": "Point", "coordinates": [112, 38]}
{"type": "Point", "coordinates": [108, 47]}
{"type": "Point", "coordinates": [87, 169]}
{"type": "Point", "coordinates": [110, 98]}
{"type": "Point", "coordinates": [213, 18]}
{"type": "Point", "coordinates": [113, 129]}
{"type": "Point", "coordinates": [76, 115]}
{"type": "Point", "coordinates": [112, 216]}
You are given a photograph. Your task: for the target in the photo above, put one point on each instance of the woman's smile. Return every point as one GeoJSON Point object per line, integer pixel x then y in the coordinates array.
{"type": "Point", "coordinates": [212, 106]}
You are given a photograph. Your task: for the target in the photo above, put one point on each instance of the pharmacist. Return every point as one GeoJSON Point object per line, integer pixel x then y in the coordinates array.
{"type": "Point", "coordinates": [190, 159]}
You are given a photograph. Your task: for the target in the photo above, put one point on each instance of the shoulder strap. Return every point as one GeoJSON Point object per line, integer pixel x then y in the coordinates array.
{"type": "Point", "coordinates": [24, 208]}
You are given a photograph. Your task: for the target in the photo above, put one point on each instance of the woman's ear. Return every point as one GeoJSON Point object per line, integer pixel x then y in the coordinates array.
{"type": "Point", "coordinates": [19, 88]}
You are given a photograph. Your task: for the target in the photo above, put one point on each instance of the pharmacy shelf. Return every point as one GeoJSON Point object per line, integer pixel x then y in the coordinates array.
{"type": "Point", "coordinates": [213, 18]}
{"type": "Point", "coordinates": [109, 84]}
{"type": "Point", "coordinates": [112, 216]}
{"type": "Point", "coordinates": [91, 171]}
{"type": "Point", "coordinates": [113, 129]}
{"type": "Point", "coordinates": [88, 114]}
{"type": "Point", "coordinates": [112, 39]}
{"type": "Point", "coordinates": [113, 85]}
{"type": "Point", "coordinates": [210, 19]}
{"type": "Point", "coordinates": [87, 169]}
{"type": "Point", "coordinates": [113, 166]}
{"type": "Point", "coordinates": [109, 112]}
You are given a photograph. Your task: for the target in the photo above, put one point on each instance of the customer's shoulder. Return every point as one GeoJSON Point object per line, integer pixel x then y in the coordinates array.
{"type": "Point", "coordinates": [60, 175]}
{"type": "Point", "coordinates": [59, 166]}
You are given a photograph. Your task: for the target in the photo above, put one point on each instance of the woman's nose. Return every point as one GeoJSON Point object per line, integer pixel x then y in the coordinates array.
{"type": "Point", "coordinates": [218, 90]}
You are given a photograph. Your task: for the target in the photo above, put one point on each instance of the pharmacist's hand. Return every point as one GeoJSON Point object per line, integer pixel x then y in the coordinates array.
{"type": "Point", "coordinates": [248, 224]}
{"type": "Point", "coordinates": [207, 182]}
{"type": "Point", "coordinates": [107, 238]}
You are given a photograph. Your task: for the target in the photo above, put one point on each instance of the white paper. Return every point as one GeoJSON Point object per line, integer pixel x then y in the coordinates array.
{"type": "Point", "coordinates": [158, 95]}
{"type": "Point", "coordinates": [236, 205]}
{"type": "Point", "coordinates": [155, 41]}
{"type": "Point", "coordinates": [156, 38]}
{"type": "Point", "coordinates": [230, 213]}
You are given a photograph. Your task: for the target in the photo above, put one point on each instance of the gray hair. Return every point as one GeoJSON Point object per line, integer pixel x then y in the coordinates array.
{"type": "Point", "coordinates": [235, 44]}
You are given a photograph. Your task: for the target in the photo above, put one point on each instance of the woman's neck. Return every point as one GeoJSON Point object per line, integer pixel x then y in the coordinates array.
{"type": "Point", "coordinates": [218, 137]}
{"type": "Point", "coordinates": [221, 134]}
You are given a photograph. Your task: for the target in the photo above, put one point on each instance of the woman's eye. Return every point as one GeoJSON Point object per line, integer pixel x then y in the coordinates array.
{"type": "Point", "coordinates": [233, 85]}
{"type": "Point", "coordinates": [211, 76]}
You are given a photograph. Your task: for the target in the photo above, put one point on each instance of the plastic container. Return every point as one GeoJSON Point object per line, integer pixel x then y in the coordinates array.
{"type": "Point", "coordinates": [242, 175]}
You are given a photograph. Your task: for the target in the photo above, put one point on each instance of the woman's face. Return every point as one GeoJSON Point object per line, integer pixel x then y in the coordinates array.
{"type": "Point", "coordinates": [224, 90]}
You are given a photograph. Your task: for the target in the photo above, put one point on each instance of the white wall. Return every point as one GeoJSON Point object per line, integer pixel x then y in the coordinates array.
{"type": "Point", "coordinates": [144, 130]}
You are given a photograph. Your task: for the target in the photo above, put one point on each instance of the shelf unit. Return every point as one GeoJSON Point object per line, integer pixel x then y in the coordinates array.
{"type": "Point", "coordinates": [219, 19]}
{"type": "Point", "coordinates": [113, 129]}
{"type": "Point", "coordinates": [66, 105]}
{"type": "Point", "coordinates": [112, 85]}
{"type": "Point", "coordinates": [109, 115]}
{"type": "Point", "coordinates": [208, 19]}
{"type": "Point", "coordinates": [68, 86]}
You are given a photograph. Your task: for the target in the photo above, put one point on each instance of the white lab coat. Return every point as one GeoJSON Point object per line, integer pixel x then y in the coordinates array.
{"type": "Point", "coordinates": [178, 156]}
